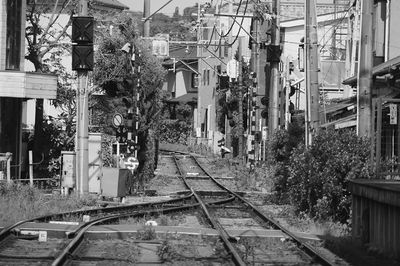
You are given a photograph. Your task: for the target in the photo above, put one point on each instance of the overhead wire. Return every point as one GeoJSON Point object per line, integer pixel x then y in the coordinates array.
{"type": "Point", "coordinates": [222, 36]}
{"type": "Point", "coordinates": [228, 32]}
{"type": "Point", "coordinates": [241, 24]}
{"type": "Point", "coordinates": [333, 27]}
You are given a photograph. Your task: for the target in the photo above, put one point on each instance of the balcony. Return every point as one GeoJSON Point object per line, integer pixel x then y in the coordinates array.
{"type": "Point", "coordinates": [27, 85]}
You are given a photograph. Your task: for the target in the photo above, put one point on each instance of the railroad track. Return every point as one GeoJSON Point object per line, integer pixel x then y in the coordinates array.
{"type": "Point", "coordinates": [203, 197]}
{"type": "Point", "coordinates": [205, 188]}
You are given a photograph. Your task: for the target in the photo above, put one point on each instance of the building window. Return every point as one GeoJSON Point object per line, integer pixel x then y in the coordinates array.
{"type": "Point", "coordinates": [195, 80]}
{"type": "Point", "coordinates": [13, 42]}
{"type": "Point", "coordinates": [208, 77]}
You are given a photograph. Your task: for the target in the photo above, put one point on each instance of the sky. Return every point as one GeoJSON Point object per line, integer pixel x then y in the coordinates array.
{"type": "Point", "coordinates": [137, 5]}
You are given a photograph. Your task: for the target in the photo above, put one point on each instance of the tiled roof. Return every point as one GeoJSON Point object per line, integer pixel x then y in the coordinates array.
{"type": "Point", "coordinates": [190, 97]}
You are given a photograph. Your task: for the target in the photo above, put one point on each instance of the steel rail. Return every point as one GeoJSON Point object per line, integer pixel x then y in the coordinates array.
{"type": "Point", "coordinates": [307, 248]}
{"type": "Point", "coordinates": [71, 234]}
{"type": "Point", "coordinates": [75, 242]}
{"type": "Point", "coordinates": [222, 233]}
{"type": "Point", "coordinates": [97, 221]}
{"type": "Point", "coordinates": [8, 230]}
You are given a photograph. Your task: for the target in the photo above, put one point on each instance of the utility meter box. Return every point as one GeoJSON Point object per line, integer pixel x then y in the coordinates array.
{"type": "Point", "coordinates": [68, 173]}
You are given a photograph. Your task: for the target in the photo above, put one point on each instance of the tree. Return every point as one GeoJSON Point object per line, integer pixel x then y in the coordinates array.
{"type": "Point", "coordinates": [113, 72]}
{"type": "Point", "coordinates": [48, 42]}
{"type": "Point", "coordinates": [178, 27]}
{"type": "Point", "coordinates": [46, 38]}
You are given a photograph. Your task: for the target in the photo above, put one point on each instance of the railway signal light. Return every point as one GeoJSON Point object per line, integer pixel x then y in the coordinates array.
{"type": "Point", "coordinates": [221, 142]}
{"type": "Point", "coordinates": [132, 146]}
{"type": "Point", "coordinates": [82, 43]}
{"type": "Point", "coordinates": [82, 57]}
{"type": "Point", "coordinates": [82, 29]}
{"type": "Point", "coordinates": [121, 134]}
{"type": "Point", "coordinates": [264, 112]}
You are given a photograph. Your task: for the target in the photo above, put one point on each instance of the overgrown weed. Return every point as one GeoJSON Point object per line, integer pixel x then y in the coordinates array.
{"type": "Point", "coordinates": [19, 202]}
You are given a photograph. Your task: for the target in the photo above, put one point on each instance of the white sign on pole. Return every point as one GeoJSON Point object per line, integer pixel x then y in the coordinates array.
{"type": "Point", "coordinates": [264, 133]}
{"type": "Point", "coordinates": [393, 114]}
{"type": "Point", "coordinates": [232, 69]}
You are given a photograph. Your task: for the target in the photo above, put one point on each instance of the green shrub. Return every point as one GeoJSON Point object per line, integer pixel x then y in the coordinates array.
{"type": "Point", "coordinates": [175, 131]}
{"type": "Point", "coordinates": [318, 176]}
{"type": "Point", "coordinates": [106, 150]}
{"type": "Point", "coordinates": [279, 149]}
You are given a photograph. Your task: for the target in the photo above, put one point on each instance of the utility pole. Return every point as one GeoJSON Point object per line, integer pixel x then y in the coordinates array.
{"type": "Point", "coordinates": [311, 63]}
{"type": "Point", "coordinates": [228, 137]}
{"type": "Point", "coordinates": [273, 117]}
{"type": "Point", "coordinates": [253, 152]}
{"type": "Point", "coordinates": [365, 63]}
{"type": "Point", "coordinates": [82, 122]}
{"type": "Point", "coordinates": [240, 101]}
{"type": "Point", "coordinates": [146, 14]}
{"type": "Point", "coordinates": [287, 93]}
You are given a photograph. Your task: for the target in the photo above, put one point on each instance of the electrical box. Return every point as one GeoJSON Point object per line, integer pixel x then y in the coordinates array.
{"type": "Point", "coordinates": [113, 182]}
{"type": "Point", "coordinates": [68, 173]}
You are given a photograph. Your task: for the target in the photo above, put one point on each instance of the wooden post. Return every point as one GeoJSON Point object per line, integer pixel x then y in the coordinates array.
{"type": "Point", "coordinates": [30, 168]}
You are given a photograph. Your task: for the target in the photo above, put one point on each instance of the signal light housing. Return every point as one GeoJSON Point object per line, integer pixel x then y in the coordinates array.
{"type": "Point", "coordinates": [82, 43]}
{"type": "Point", "coordinates": [82, 57]}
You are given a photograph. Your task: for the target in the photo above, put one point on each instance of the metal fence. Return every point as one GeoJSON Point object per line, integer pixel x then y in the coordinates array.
{"type": "Point", "coordinates": [386, 137]}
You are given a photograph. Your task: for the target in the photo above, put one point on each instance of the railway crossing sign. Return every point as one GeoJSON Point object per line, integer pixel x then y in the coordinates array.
{"type": "Point", "coordinates": [117, 120]}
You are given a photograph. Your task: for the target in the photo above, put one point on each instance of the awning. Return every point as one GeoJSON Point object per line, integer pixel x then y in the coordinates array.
{"type": "Point", "coordinates": [191, 68]}
{"type": "Point", "coordinates": [190, 97]}
{"type": "Point", "coordinates": [381, 69]}
{"type": "Point", "coordinates": [348, 121]}
{"type": "Point", "coordinates": [338, 106]}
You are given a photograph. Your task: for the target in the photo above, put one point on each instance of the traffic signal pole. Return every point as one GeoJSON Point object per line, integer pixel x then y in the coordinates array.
{"type": "Point", "coordinates": [82, 148]}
